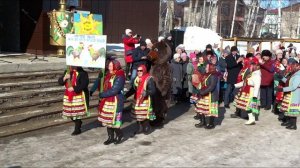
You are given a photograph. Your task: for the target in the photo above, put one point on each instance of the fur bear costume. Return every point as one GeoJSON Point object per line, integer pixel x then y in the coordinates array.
{"type": "Point", "coordinates": [160, 70]}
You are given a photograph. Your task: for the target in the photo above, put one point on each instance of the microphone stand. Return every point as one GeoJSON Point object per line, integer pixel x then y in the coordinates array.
{"type": "Point", "coordinates": [35, 22]}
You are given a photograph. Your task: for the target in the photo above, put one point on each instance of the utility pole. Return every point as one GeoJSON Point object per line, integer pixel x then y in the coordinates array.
{"type": "Point", "coordinates": [233, 18]}
{"type": "Point", "coordinates": [298, 27]}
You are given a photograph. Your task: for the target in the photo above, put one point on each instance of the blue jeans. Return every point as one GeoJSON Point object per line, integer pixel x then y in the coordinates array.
{"type": "Point", "coordinates": [133, 76]}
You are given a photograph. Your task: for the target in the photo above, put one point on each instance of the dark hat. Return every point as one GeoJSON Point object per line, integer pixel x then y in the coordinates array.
{"type": "Point", "coordinates": [248, 55]}
{"type": "Point", "coordinates": [233, 48]}
{"type": "Point", "coordinates": [209, 46]}
{"type": "Point", "coordinates": [143, 43]}
{"type": "Point", "coordinates": [266, 53]}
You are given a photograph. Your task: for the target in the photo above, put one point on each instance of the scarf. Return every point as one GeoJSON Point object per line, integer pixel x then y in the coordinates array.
{"type": "Point", "coordinates": [73, 79]}
{"type": "Point", "coordinates": [109, 79]}
{"type": "Point", "coordinates": [141, 81]}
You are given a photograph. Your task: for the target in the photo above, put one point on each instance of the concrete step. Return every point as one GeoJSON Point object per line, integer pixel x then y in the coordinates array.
{"type": "Point", "coordinates": [35, 112]}
{"type": "Point", "coordinates": [37, 122]}
{"type": "Point", "coordinates": [37, 101]}
{"type": "Point", "coordinates": [26, 85]}
{"type": "Point", "coordinates": [33, 76]}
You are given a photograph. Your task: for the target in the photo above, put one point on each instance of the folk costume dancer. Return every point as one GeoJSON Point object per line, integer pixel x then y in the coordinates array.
{"type": "Point", "coordinates": [112, 102]}
{"type": "Point", "coordinates": [291, 100]}
{"type": "Point", "coordinates": [241, 77]}
{"type": "Point", "coordinates": [207, 105]}
{"type": "Point", "coordinates": [144, 89]}
{"type": "Point", "coordinates": [76, 96]}
{"type": "Point", "coordinates": [249, 92]}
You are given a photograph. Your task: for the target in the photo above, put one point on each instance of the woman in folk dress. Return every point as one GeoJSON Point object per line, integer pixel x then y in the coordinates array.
{"type": "Point", "coordinates": [112, 102]}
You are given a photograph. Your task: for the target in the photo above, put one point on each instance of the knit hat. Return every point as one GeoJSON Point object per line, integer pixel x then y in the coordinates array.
{"type": "Point", "coordinates": [233, 48]}
{"type": "Point", "coordinates": [176, 56]}
{"type": "Point", "coordinates": [249, 55]}
{"type": "Point", "coordinates": [208, 46]}
{"type": "Point", "coordinates": [148, 41]}
{"type": "Point", "coordinates": [180, 46]}
{"type": "Point", "coordinates": [266, 53]}
{"type": "Point", "coordinates": [127, 31]}
{"type": "Point", "coordinates": [143, 43]}
{"type": "Point", "coordinates": [160, 38]}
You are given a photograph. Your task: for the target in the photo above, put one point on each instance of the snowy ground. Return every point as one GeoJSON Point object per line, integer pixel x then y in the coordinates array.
{"type": "Point", "coordinates": [178, 144]}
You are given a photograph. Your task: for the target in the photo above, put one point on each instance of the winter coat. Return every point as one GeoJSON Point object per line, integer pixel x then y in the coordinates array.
{"type": "Point", "coordinates": [184, 73]}
{"type": "Point", "coordinates": [211, 83]}
{"type": "Point", "coordinates": [129, 44]}
{"type": "Point", "coordinates": [177, 76]}
{"type": "Point", "coordinates": [116, 90]}
{"type": "Point", "coordinates": [82, 83]}
{"type": "Point", "coordinates": [267, 71]}
{"type": "Point", "coordinates": [222, 64]}
{"type": "Point", "coordinates": [190, 71]}
{"type": "Point", "coordinates": [233, 68]}
{"type": "Point", "coordinates": [137, 55]}
{"type": "Point", "coordinates": [150, 89]}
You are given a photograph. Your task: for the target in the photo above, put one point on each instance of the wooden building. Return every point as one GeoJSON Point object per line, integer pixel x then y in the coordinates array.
{"type": "Point", "coordinates": [24, 25]}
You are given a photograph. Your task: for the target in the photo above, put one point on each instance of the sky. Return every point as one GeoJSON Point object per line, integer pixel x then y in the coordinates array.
{"type": "Point", "coordinates": [275, 3]}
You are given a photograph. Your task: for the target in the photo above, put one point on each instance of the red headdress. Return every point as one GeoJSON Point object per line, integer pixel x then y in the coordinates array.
{"type": "Point", "coordinates": [141, 83]}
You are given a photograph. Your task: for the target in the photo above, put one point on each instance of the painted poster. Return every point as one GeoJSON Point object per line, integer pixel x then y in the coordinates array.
{"type": "Point", "coordinates": [88, 24]}
{"type": "Point", "coordinates": [86, 50]}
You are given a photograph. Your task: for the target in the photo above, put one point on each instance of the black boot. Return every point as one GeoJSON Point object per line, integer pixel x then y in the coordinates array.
{"type": "Point", "coordinates": [146, 127]}
{"type": "Point", "coordinates": [119, 136]}
{"type": "Point", "coordinates": [210, 124]}
{"type": "Point", "coordinates": [293, 125]}
{"type": "Point", "coordinates": [110, 133]}
{"type": "Point", "coordinates": [139, 128]}
{"type": "Point", "coordinates": [197, 116]}
{"type": "Point", "coordinates": [77, 129]}
{"type": "Point", "coordinates": [237, 113]}
{"type": "Point", "coordinates": [202, 122]}
{"type": "Point", "coordinates": [287, 121]}
{"type": "Point", "coordinates": [281, 117]}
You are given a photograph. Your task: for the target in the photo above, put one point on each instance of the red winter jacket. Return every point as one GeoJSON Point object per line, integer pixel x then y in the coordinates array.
{"type": "Point", "coordinates": [129, 44]}
{"type": "Point", "coordinates": [267, 73]}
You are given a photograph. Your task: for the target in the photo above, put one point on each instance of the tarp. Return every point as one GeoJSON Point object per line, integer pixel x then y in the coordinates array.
{"type": "Point", "coordinates": [196, 38]}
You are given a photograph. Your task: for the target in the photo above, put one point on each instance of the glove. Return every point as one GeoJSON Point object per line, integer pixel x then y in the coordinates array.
{"type": "Point", "coordinates": [91, 93]}
{"type": "Point", "coordinates": [279, 89]}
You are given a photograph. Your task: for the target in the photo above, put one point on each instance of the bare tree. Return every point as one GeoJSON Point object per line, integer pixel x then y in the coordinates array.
{"type": "Point", "coordinates": [195, 12]}
{"type": "Point", "coordinates": [202, 21]}
{"type": "Point", "coordinates": [233, 18]}
{"type": "Point", "coordinates": [190, 13]}
{"type": "Point", "coordinates": [255, 18]}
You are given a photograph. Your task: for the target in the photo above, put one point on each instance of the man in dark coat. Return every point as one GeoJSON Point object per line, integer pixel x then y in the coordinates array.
{"type": "Point", "coordinates": [234, 65]}
{"type": "Point", "coordinates": [139, 56]}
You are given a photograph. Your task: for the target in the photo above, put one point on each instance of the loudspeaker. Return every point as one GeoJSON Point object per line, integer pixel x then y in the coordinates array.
{"type": "Point", "coordinates": [177, 36]}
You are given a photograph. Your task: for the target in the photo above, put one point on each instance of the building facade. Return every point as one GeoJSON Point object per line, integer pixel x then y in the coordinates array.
{"type": "Point", "coordinates": [24, 25]}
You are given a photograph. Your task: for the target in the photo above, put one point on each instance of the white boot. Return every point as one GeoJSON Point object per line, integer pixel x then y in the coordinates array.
{"type": "Point", "coordinates": [251, 120]}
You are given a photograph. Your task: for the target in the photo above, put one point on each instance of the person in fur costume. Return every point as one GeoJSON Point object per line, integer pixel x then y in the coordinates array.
{"type": "Point", "coordinates": [160, 70]}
